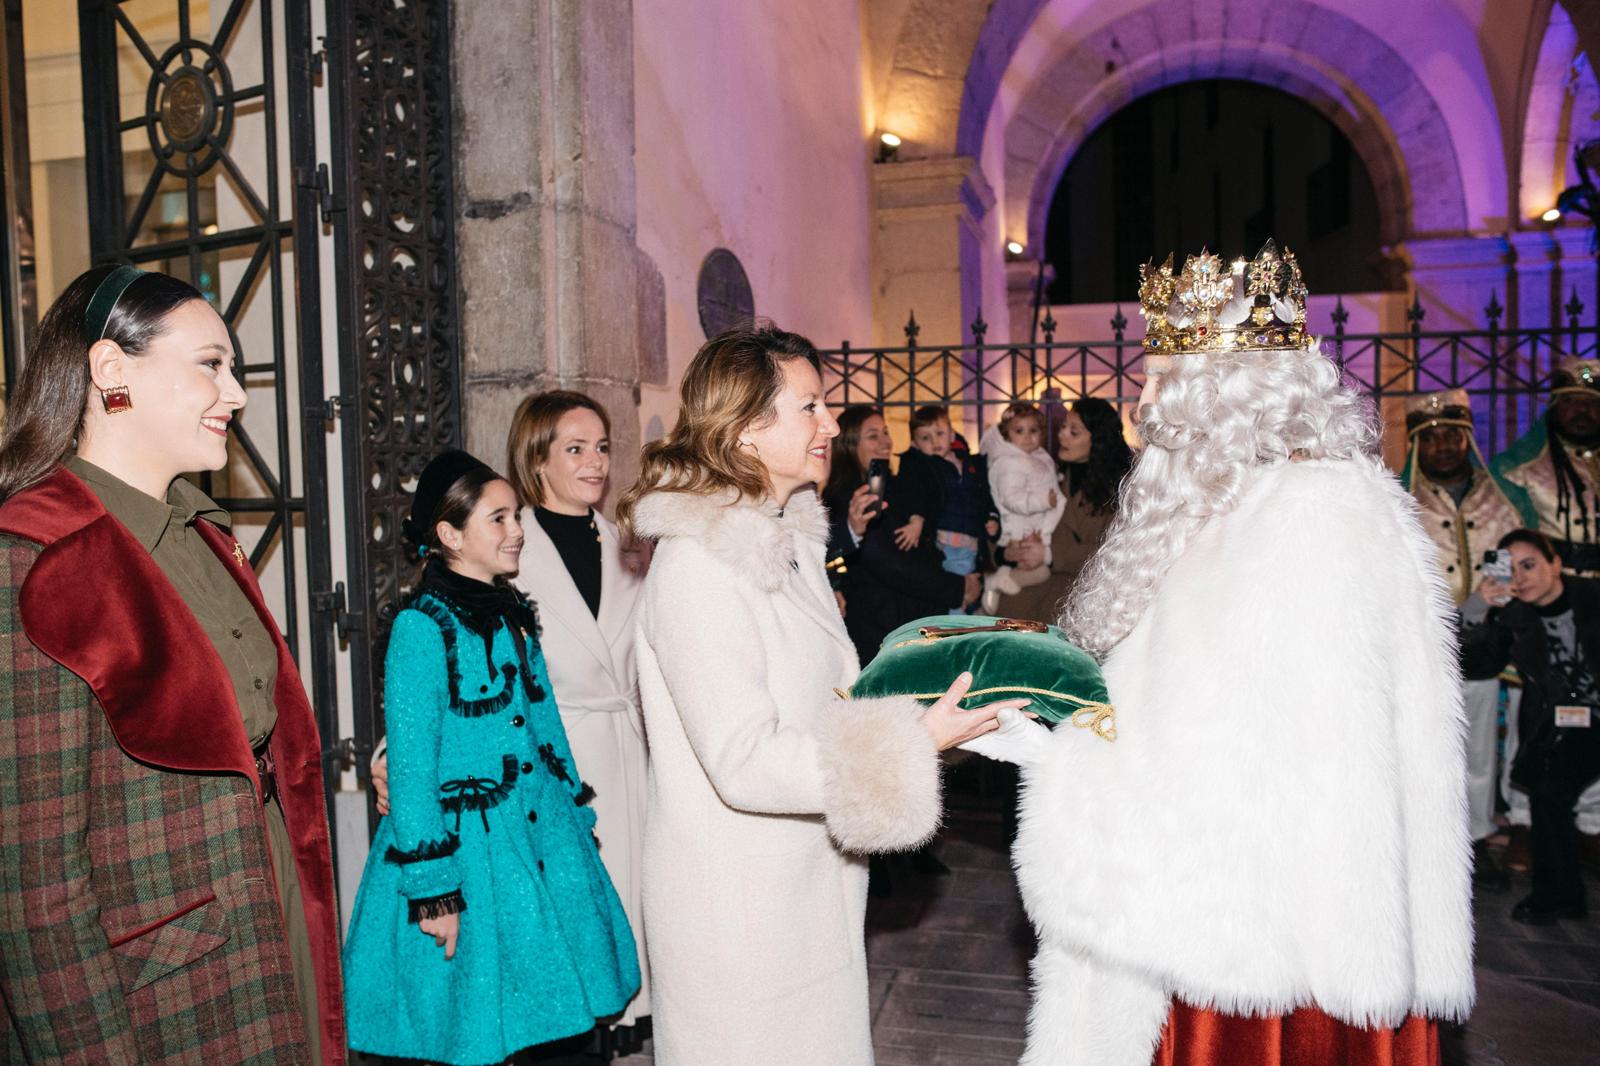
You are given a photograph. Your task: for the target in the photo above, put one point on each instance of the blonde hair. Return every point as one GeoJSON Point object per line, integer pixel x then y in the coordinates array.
{"type": "Point", "coordinates": [1217, 421]}
{"type": "Point", "coordinates": [731, 385]}
{"type": "Point", "coordinates": [533, 430]}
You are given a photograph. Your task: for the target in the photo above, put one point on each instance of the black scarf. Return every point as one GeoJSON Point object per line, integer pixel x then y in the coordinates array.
{"type": "Point", "coordinates": [481, 607]}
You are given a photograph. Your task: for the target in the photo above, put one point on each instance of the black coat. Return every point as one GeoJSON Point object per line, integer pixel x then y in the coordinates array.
{"type": "Point", "coordinates": [884, 587]}
{"type": "Point", "coordinates": [1514, 635]}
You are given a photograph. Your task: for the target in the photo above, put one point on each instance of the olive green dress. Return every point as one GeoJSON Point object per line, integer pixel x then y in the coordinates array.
{"type": "Point", "coordinates": [166, 530]}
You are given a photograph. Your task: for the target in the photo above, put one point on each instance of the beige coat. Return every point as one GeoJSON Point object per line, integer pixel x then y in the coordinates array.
{"type": "Point", "coordinates": [596, 682]}
{"type": "Point", "coordinates": [764, 787]}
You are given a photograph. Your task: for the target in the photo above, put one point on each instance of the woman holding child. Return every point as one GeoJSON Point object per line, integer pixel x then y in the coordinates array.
{"type": "Point", "coordinates": [1092, 457]}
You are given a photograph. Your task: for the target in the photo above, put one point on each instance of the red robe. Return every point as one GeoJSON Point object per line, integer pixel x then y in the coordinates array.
{"type": "Point", "coordinates": [1195, 1037]}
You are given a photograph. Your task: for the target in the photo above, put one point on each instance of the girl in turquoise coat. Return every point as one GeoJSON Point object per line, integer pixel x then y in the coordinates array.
{"type": "Point", "coordinates": [485, 923]}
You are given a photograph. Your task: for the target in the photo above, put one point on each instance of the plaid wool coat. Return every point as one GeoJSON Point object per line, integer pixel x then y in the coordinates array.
{"type": "Point", "coordinates": [139, 919]}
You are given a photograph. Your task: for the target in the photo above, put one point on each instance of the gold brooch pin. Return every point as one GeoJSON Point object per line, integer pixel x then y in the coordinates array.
{"type": "Point", "coordinates": [238, 553]}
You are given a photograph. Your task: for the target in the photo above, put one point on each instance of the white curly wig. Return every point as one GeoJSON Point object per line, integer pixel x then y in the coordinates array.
{"type": "Point", "coordinates": [1217, 419]}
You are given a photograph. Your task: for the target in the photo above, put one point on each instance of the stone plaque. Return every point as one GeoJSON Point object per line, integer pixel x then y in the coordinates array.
{"type": "Point", "coordinates": [724, 293]}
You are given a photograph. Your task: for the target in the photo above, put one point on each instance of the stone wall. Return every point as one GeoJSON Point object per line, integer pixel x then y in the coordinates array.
{"type": "Point", "coordinates": [752, 136]}
{"type": "Point", "coordinates": [546, 232]}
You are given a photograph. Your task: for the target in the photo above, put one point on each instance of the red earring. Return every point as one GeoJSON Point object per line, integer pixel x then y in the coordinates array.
{"type": "Point", "coordinates": [116, 399]}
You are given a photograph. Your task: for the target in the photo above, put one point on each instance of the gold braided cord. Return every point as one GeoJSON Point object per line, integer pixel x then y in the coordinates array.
{"type": "Point", "coordinates": [1101, 718]}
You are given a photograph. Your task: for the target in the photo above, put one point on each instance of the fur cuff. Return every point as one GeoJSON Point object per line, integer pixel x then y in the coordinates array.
{"type": "Point", "coordinates": [880, 789]}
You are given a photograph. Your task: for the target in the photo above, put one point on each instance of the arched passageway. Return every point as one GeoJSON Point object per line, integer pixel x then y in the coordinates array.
{"type": "Point", "coordinates": [1225, 164]}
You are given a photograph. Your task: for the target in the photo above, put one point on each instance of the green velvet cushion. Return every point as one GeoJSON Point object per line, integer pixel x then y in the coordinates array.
{"type": "Point", "coordinates": [1008, 658]}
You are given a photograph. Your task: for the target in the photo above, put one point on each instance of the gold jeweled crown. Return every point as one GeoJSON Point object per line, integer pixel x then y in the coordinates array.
{"type": "Point", "coordinates": [1258, 304]}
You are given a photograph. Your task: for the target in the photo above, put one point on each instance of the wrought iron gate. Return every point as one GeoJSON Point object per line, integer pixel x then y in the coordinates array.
{"type": "Point", "coordinates": [394, 212]}
{"type": "Point", "coordinates": [1504, 371]}
{"type": "Point", "coordinates": [210, 176]}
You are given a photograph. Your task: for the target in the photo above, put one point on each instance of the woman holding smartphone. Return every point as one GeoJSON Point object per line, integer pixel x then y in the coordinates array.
{"type": "Point", "coordinates": [879, 586]}
{"type": "Point", "coordinates": [858, 474]}
{"type": "Point", "coordinates": [1547, 625]}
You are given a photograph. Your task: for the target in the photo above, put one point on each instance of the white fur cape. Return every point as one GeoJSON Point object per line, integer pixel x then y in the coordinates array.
{"type": "Point", "coordinates": [1282, 819]}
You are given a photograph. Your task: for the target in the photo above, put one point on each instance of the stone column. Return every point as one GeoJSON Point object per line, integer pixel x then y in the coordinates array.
{"type": "Point", "coordinates": [929, 215]}
{"type": "Point", "coordinates": [1575, 272]}
{"type": "Point", "coordinates": [547, 255]}
{"type": "Point", "coordinates": [1023, 284]}
{"type": "Point", "coordinates": [1454, 277]}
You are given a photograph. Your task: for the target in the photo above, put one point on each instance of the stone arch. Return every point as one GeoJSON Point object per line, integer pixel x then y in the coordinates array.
{"type": "Point", "coordinates": [1031, 177]}
{"type": "Point", "coordinates": [1562, 97]}
{"type": "Point", "coordinates": [1334, 63]}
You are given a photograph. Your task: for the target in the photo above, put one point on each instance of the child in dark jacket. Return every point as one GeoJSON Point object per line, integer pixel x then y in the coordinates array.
{"type": "Point", "coordinates": [947, 489]}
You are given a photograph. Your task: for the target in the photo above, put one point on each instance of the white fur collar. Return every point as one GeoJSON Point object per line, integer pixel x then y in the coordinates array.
{"type": "Point", "coordinates": [754, 538]}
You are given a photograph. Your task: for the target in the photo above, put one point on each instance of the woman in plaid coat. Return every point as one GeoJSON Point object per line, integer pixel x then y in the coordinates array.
{"type": "Point", "coordinates": [166, 893]}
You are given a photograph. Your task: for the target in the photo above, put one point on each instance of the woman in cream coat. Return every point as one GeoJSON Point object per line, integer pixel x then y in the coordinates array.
{"type": "Point", "coordinates": [765, 787]}
{"type": "Point", "coordinates": [587, 590]}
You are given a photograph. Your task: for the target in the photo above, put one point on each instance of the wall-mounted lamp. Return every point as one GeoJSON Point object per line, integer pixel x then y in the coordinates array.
{"type": "Point", "coordinates": [1015, 249]}
{"type": "Point", "coordinates": [888, 145]}
{"type": "Point", "coordinates": [1552, 215]}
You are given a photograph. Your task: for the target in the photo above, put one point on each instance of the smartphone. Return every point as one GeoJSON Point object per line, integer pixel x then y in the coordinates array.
{"type": "Point", "coordinates": [878, 480]}
{"type": "Point", "coordinates": [1497, 564]}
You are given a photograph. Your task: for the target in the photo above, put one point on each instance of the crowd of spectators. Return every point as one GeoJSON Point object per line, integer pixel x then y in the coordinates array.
{"type": "Point", "coordinates": [1003, 531]}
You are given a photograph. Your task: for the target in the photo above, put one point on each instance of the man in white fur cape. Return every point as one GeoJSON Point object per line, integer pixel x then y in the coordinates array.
{"type": "Point", "coordinates": [1271, 861]}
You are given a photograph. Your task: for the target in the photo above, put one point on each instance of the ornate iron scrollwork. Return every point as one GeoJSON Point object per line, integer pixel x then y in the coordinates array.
{"type": "Point", "coordinates": [398, 295]}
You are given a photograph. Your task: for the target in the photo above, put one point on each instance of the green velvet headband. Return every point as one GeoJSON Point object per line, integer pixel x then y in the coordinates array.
{"type": "Point", "coordinates": [104, 300]}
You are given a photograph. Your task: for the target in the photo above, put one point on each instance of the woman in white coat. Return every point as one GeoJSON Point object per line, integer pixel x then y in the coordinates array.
{"type": "Point", "coordinates": [587, 589]}
{"type": "Point", "coordinates": [765, 787]}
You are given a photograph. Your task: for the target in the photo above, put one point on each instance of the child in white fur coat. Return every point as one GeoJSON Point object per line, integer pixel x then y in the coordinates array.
{"type": "Point", "coordinates": [1023, 481]}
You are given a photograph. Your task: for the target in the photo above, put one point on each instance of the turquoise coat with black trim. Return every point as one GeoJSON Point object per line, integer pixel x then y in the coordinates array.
{"type": "Point", "coordinates": [489, 818]}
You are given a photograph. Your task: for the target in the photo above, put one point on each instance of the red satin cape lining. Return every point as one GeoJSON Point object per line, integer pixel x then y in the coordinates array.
{"type": "Point", "coordinates": [1307, 1037]}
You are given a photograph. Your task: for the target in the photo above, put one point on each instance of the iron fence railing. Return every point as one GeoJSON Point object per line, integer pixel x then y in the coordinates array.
{"type": "Point", "coordinates": [1504, 371]}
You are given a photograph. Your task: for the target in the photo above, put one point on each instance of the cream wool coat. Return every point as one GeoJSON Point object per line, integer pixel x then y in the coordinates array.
{"type": "Point", "coordinates": [596, 681]}
{"type": "Point", "coordinates": [1282, 819]}
{"type": "Point", "coordinates": [764, 787]}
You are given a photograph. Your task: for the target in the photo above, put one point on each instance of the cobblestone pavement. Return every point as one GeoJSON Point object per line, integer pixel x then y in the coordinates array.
{"type": "Point", "coordinates": [948, 969]}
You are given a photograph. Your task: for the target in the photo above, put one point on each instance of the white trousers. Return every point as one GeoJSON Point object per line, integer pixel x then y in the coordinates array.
{"type": "Point", "coordinates": [1481, 700]}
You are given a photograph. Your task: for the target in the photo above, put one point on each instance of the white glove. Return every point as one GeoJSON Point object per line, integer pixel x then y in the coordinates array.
{"type": "Point", "coordinates": [1020, 739]}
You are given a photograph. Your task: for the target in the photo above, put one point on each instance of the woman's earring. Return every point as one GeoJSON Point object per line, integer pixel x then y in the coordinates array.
{"type": "Point", "coordinates": [116, 399]}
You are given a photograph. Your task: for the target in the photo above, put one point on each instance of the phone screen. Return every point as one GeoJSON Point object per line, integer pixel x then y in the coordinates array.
{"type": "Point", "coordinates": [878, 477]}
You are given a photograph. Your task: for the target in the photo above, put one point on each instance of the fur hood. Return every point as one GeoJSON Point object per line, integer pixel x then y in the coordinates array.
{"type": "Point", "coordinates": [993, 444]}
{"type": "Point", "coordinates": [755, 538]}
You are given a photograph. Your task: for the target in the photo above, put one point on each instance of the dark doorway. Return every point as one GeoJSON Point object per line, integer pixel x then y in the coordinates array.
{"type": "Point", "coordinates": [1225, 164]}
